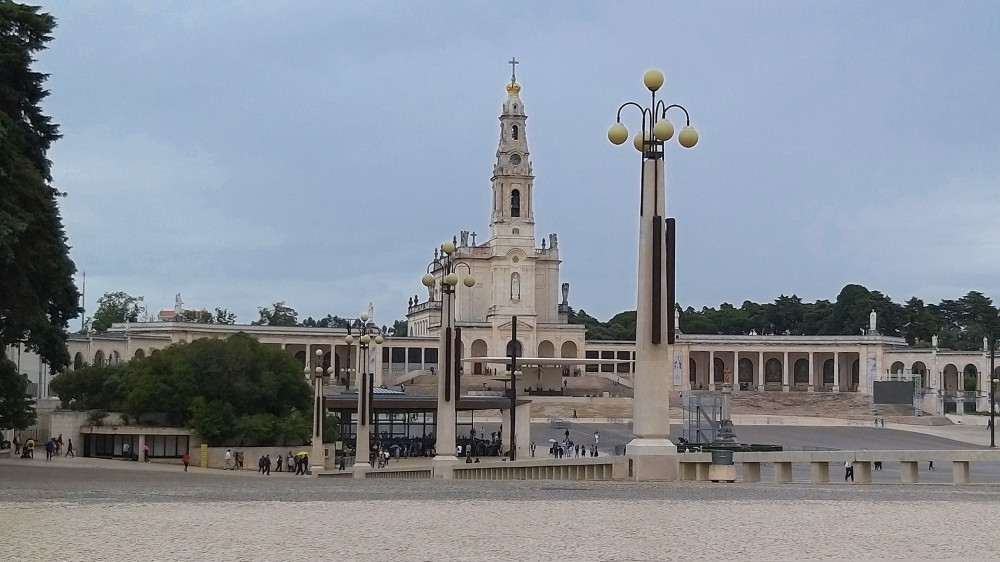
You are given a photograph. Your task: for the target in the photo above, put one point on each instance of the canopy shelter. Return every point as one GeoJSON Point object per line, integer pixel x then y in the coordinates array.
{"type": "Point", "coordinates": [406, 415]}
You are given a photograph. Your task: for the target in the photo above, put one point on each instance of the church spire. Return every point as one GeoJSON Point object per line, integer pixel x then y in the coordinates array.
{"type": "Point", "coordinates": [513, 211]}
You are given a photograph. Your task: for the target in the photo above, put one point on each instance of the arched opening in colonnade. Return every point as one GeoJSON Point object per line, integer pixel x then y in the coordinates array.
{"type": "Point", "coordinates": [828, 373]}
{"type": "Point", "coordinates": [479, 349]}
{"type": "Point", "coordinates": [99, 358]}
{"type": "Point", "coordinates": [970, 378]}
{"type": "Point", "coordinates": [950, 378]}
{"type": "Point", "coordinates": [745, 375]}
{"type": "Point", "coordinates": [546, 349]}
{"type": "Point", "coordinates": [78, 361]}
{"type": "Point", "coordinates": [139, 353]}
{"type": "Point", "coordinates": [772, 372]}
{"type": "Point", "coordinates": [920, 369]}
{"type": "Point", "coordinates": [718, 372]}
{"type": "Point", "coordinates": [897, 368]}
{"type": "Point", "coordinates": [800, 373]}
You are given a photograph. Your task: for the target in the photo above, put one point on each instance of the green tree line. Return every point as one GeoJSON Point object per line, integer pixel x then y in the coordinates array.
{"type": "Point", "coordinates": [960, 324]}
{"type": "Point", "coordinates": [234, 391]}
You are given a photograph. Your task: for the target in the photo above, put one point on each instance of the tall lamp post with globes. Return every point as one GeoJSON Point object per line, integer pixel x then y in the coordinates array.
{"type": "Point", "coordinates": [318, 457]}
{"type": "Point", "coordinates": [366, 392]}
{"type": "Point", "coordinates": [993, 386]}
{"type": "Point", "coordinates": [449, 347]}
{"type": "Point", "coordinates": [652, 456]}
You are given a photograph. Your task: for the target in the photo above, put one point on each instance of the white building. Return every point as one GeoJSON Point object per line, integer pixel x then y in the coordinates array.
{"type": "Point", "coordinates": [516, 276]}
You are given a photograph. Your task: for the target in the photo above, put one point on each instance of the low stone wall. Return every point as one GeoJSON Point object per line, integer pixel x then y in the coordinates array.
{"type": "Point", "coordinates": [697, 466]}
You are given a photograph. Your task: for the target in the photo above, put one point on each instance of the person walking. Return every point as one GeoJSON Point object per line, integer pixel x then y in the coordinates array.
{"type": "Point", "coordinates": [267, 464]}
{"type": "Point", "coordinates": [228, 460]}
{"type": "Point", "coordinates": [532, 448]}
{"type": "Point", "coordinates": [186, 459]}
{"type": "Point", "coordinates": [50, 448]}
{"type": "Point", "coordinates": [69, 448]}
{"type": "Point", "coordinates": [17, 444]}
{"type": "Point", "coordinates": [848, 470]}
{"type": "Point", "coordinates": [930, 465]}
{"type": "Point", "coordinates": [277, 467]}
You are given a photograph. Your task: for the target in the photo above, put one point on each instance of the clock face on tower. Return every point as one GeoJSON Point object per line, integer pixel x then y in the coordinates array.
{"type": "Point", "coordinates": [515, 159]}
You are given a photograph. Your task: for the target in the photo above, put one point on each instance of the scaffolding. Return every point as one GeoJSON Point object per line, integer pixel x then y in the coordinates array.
{"type": "Point", "coordinates": [701, 418]}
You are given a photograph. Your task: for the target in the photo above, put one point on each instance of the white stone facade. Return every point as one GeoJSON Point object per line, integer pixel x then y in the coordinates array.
{"type": "Point", "coordinates": [516, 276]}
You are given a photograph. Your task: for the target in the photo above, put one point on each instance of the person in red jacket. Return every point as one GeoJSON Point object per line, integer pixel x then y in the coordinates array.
{"type": "Point", "coordinates": [187, 459]}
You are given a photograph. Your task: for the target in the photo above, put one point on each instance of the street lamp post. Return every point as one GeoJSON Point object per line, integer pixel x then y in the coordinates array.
{"type": "Point", "coordinates": [366, 393]}
{"type": "Point", "coordinates": [652, 455]}
{"type": "Point", "coordinates": [993, 387]}
{"type": "Point", "coordinates": [318, 458]}
{"type": "Point", "coordinates": [442, 271]}
{"type": "Point", "coordinates": [514, 373]}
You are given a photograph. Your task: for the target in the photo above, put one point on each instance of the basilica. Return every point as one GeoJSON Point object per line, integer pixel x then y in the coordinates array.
{"type": "Point", "coordinates": [516, 277]}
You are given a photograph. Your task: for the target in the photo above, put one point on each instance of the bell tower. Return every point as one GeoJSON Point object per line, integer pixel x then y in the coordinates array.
{"type": "Point", "coordinates": [513, 214]}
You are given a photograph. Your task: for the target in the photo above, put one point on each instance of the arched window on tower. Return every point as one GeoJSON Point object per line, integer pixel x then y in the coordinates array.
{"type": "Point", "coordinates": [513, 132]}
{"type": "Point", "coordinates": [515, 203]}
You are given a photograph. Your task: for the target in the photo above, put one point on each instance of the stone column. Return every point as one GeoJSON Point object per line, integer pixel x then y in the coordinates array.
{"type": "Point", "coordinates": [760, 370]}
{"type": "Point", "coordinates": [654, 456]}
{"type": "Point", "coordinates": [376, 352]}
{"type": "Point", "coordinates": [523, 429]}
{"type": "Point", "coordinates": [711, 370]}
{"type": "Point", "coordinates": [442, 466]}
{"type": "Point", "coordinates": [812, 374]}
{"type": "Point", "coordinates": [784, 372]}
{"type": "Point", "coordinates": [317, 459]}
{"type": "Point", "coordinates": [363, 441]}
{"type": "Point", "coordinates": [836, 371]}
{"type": "Point", "coordinates": [505, 436]}
{"type": "Point", "coordinates": [736, 370]}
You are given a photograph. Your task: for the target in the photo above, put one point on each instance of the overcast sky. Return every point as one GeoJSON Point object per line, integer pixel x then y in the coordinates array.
{"type": "Point", "coordinates": [244, 153]}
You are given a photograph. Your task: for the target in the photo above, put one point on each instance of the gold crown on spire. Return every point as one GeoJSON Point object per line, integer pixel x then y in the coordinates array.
{"type": "Point", "coordinates": [513, 87]}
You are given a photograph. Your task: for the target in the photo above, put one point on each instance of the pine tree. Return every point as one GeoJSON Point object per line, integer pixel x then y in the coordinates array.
{"type": "Point", "coordinates": [37, 295]}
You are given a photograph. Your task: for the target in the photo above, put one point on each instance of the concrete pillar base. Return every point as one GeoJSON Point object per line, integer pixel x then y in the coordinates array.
{"type": "Point", "coordinates": [960, 472]}
{"type": "Point", "coordinates": [701, 472]}
{"type": "Point", "coordinates": [812, 388]}
{"type": "Point", "coordinates": [784, 388]}
{"type": "Point", "coordinates": [863, 472]}
{"type": "Point", "coordinates": [751, 472]}
{"type": "Point", "coordinates": [443, 467]}
{"type": "Point", "coordinates": [908, 470]}
{"type": "Point", "coordinates": [819, 472]}
{"type": "Point", "coordinates": [722, 472]}
{"type": "Point", "coordinates": [689, 471]}
{"type": "Point", "coordinates": [782, 472]}
{"type": "Point", "coordinates": [359, 469]}
{"type": "Point", "coordinates": [653, 460]}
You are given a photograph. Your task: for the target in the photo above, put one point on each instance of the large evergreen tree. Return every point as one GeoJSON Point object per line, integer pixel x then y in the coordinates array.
{"type": "Point", "coordinates": [37, 295]}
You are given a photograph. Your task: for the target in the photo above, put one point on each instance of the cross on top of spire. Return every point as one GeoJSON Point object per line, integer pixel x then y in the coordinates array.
{"type": "Point", "coordinates": [513, 62]}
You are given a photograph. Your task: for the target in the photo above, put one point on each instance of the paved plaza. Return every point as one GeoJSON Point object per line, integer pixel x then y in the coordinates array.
{"type": "Point", "coordinates": [94, 509]}
{"type": "Point", "coordinates": [87, 510]}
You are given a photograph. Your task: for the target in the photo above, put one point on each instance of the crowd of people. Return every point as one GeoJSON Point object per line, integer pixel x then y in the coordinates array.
{"type": "Point", "coordinates": [53, 447]}
{"type": "Point", "coordinates": [297, 464]}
